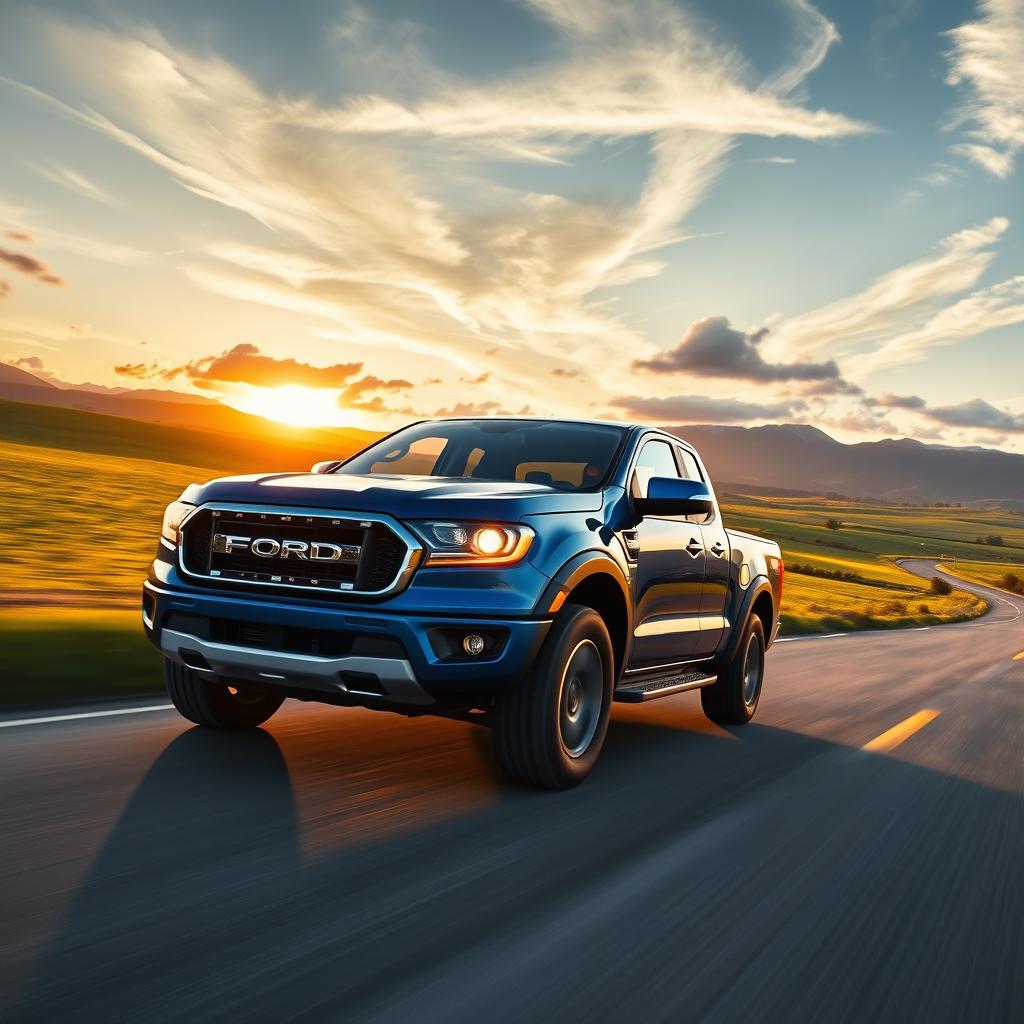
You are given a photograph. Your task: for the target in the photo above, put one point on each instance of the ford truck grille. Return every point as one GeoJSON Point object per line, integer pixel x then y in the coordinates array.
{"type": "Point", "coordinates": [295, 550]}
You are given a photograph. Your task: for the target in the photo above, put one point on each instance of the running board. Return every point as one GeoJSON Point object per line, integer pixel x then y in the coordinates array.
{"type": "Point", "coordinates": [665, 686]}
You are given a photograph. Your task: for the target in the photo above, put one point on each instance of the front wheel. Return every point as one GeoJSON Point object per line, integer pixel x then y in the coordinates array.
{"type": "Point", "coordinates": [216, 704]}
{"type": "Point", "coordinates": [549, 729]}
{"type": "Point", "coordinates": [733, 699]}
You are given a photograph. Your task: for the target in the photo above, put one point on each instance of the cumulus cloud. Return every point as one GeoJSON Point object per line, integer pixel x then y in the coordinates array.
{"type": "Point", "coordinates": [986, 64]}
{"type": "Point", "coordinates": [712, 347]}
{"type": "Point", "coordinates": [29, 265]}
{"type": "Point", "coordinates": [362, 393]}
{"type": "Point", "coordinates": [245, 364]}
{"type": "Point", "coordinates": [978, 414]}
{"type": "Point", "coordinates": [700, 409]}
{"type": "Point", "coordinates": [395, 264]}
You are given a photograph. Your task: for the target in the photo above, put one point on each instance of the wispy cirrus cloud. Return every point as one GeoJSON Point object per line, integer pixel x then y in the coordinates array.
{"type": "Point", "coordinates": [69, 178]}
{"type": "Point", "coordinates": [987, 64]}
{"type": "Point", "coordinates": [395, 264]}
{"type": "Point", "coordinates": [909, 309]}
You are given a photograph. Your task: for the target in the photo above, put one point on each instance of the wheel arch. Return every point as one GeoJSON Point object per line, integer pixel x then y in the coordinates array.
{"type": "Point", "coordinates": [595, 580]}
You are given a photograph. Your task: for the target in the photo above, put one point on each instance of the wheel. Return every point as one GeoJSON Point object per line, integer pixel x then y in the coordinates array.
{"type": "Point", "coordinates": [733, 699]}
{"type": "Point", "coordinates": [549, 729]}
{"type": "Point", "coordinates": [214, 704]}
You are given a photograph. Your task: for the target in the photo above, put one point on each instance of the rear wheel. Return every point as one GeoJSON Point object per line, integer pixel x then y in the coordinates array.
{"type": "Point", "coordinates": [217, 704]}
{"type": "Point", "coordinates": [549, 729]}
{"type": "Point", "coordinates": [733, 699]}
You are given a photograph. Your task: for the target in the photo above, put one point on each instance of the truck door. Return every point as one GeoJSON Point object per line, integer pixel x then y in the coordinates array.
{"type": "Point", "coordinates": [669, 572]}
{"type": "Point", "coordinates": [717, 572]}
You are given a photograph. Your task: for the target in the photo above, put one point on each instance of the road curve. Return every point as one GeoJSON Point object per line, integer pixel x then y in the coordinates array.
{"type": "Point", "coordinates": [346, 865]}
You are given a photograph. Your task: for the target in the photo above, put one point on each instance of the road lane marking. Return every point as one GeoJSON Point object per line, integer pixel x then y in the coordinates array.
{"type": "Point", "coordinates": [903, 731]}
{"type": "Point", "coordinates": [84, 714]}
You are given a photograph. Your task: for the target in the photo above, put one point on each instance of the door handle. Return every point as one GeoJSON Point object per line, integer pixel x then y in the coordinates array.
{"type": "Point", "coordinates": [718, 548]}
{"type": "Point", "coordinates": [695, 547]}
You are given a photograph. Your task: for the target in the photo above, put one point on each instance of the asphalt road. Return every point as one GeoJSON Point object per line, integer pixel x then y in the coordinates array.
{"type": "Point", "coordinates": [349, 865]}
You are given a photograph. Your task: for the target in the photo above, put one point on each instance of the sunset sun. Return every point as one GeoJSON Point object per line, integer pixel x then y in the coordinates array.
{"type": "Point", "coordinates": [292, 404]}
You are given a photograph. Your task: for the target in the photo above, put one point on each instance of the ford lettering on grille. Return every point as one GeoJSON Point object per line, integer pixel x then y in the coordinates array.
{"type": "Point", "coordinates": [273, 547]}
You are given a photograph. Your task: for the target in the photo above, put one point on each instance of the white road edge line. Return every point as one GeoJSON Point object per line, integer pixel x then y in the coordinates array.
{"type": "Point", "coordinates": [84, 714]}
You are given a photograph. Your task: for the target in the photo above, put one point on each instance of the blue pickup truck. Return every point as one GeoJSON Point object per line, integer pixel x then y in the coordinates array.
{"type": "Point", "coordinates": [519, 573]}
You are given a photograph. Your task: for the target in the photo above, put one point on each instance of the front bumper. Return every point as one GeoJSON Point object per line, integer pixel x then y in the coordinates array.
{"type": "Point", "coordinates": [412, 672]}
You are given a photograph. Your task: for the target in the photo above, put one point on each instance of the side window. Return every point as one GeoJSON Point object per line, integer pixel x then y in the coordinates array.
{"type": "Point", "coordinates": [418, 459]}
{"type": "Point", "coordinates": [691, 471]}
{"type": "Point", "coordinates": [655, 459]}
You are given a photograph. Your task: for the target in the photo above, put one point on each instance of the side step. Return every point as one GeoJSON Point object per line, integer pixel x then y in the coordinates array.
{"type": "Point", "coordinates": [664, 686]}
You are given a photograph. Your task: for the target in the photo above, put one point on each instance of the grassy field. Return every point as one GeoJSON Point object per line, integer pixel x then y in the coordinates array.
{"type": "Point", "coordinates": [989, 574]}
{"type": "Point", "coordinates": [78, 527]}
{"type": "Point", "coordinates": [864, 547]}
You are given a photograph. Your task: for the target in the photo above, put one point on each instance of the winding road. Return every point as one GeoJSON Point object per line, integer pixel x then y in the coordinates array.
{"type": "Point", "coordinates": [856, 854]}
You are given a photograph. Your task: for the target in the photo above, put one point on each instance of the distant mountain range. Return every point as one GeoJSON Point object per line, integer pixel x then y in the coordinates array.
{"type": "Point", "coordinates": [802, 458]}
{"type": "Point", "coordinates": [760, 460]}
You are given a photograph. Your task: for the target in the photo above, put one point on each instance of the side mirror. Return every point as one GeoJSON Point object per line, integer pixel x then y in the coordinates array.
{"type": "Point", "coordinates": [325, 467]}
{"type": "Point", "coordinates": [670, 496]}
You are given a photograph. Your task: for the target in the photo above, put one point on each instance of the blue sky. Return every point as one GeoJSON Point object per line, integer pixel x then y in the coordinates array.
{"type": "Point", "coordinates": [687, 212]}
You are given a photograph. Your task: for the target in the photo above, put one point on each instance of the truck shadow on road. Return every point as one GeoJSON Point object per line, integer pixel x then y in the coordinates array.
{"type": "Point", "coordinates": [203, 901]}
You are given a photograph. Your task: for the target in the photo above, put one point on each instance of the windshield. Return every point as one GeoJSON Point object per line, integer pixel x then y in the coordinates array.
{"type": "Point", "coordinates": [571, 456]}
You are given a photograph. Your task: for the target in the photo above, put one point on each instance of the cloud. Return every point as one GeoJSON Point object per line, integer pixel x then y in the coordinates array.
{"type": "Point", "coordinates": [888, 400]}
{"type": "Point", "coordinates": [978, 414]}
{"type": "Point", "coordinates": [245, 364]}
{"type": "Point", "coordinates": [5, 289]}
{"type": "Point", "coordinates": [908, 309]}
{"type": "Point", "coordinates": [986, 64]}
{"type": "Point", "coordinates": [360, 394]}
{"type": "Point", "coordinates": [28, 363]}
{"type": "Point", "coordinates": [713, 348]}
{"type": "Point", "coordinates": [19, 236]}
{"type": "Point", "coordinates": [30, 266]}
{"type": "Point", "coordinates": [69, 178]}
{"type": "Point", "coordinates": [566, 372]}
{"type": "Point", "coordinates": [391, 260]}
{"type": "Point", "coordinates": [700, 409]}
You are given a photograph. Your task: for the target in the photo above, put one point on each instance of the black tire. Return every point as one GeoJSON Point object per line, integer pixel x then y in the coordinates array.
{"type": "Point", "coordinates": [550, 727]}
{"type": "Point", "coordinates": [733, 699]}
{"type": "Point", "coordinates": [212, 703]}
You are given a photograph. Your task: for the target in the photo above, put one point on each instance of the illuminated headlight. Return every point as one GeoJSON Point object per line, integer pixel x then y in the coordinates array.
{"type": "Point", "coordinates": [173, 515]}
{"type": "Point", "coordinates": [474, 543]}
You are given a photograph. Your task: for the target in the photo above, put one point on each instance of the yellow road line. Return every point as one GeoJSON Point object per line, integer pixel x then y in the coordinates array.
{"type": "Point", "coordinates": [898, 733]}
{"type": "Point", "coordinates": [1019, 657]}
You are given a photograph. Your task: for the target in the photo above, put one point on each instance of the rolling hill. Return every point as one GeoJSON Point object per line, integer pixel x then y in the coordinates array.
{"type": "Point", "coordinates": [802, 458]}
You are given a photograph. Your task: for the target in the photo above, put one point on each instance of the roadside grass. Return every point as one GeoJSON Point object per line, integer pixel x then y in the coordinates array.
{"type": "Point", "coordinates": [78, 521]}
{"type": "Point", "coordinates": [55, 656]}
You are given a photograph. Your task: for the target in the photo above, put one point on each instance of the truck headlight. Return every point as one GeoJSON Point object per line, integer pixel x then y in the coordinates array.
{"type": "Point", "coordinates": [474, 543]}
{"type": "Point", "coordinates": [173, 515]}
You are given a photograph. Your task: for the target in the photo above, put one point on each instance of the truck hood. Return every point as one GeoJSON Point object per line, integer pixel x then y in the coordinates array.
{"type": "Point", "coordinates": [404, 497]}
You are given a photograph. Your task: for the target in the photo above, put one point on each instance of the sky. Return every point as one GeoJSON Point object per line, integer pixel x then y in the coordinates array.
{"type": "Point", "coordinates": [362, 214]}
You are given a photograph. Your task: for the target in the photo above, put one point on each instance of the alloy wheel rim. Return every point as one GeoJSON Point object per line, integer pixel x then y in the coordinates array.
{"type": "Point", "coordinates": [753, 664]}
{"type": "Point", "coordinates": [580, 697]}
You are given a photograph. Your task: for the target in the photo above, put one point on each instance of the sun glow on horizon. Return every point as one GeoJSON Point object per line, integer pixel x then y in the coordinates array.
{"type": "Point", "coordinates": [294, 405]}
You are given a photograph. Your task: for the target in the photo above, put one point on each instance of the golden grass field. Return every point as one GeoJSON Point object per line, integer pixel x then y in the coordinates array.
{"type": "Point", "coordinates": [987, 573]}
{"type": "Point", "coordinates": [77, 529]}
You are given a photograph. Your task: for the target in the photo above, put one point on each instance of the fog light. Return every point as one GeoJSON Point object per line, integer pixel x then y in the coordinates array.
{"type": "Point", "coordinates": [473, 644]}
